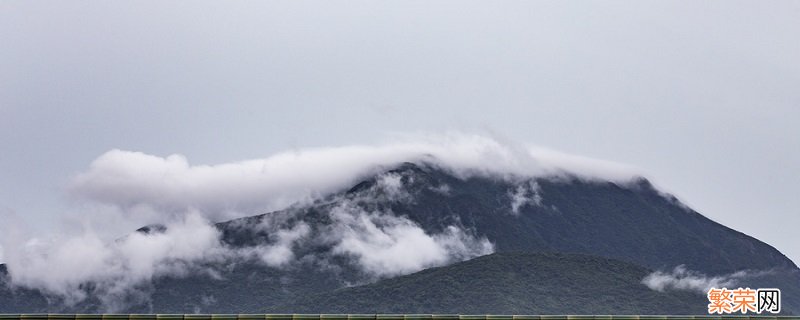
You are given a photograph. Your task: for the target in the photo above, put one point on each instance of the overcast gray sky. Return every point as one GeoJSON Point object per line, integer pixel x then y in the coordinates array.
{"type": "Point", "coordinates": [703, 95]}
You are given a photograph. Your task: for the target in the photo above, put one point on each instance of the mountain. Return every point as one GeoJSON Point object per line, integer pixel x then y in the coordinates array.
{"type": "Point", "coordinates": [418, 216]}
{"type": "Point", "coordinates": [511, 283]}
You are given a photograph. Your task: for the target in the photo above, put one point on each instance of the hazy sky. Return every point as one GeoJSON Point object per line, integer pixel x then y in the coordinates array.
{"type": "Point", "coordinates": [703, 95]}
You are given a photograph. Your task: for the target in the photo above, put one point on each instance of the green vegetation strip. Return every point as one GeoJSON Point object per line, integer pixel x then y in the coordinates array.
{"type": "Point", "coordinates": [51, 316]}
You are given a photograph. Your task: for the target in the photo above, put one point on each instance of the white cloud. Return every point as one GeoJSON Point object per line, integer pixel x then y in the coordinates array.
{"type": "Point", "coordinates": [525, 194]}
{"type": "Point", "coordinates": [115, 267]}
{"type": "Point", "coordinates": [391, 184]}
{"type": "Point", "coordinates": [681, 278]}
{"type": "Point", "coordinates": [442, 189]}
{"type": "Point", "coordinates": [133, 180]}
{"type": "Point", "coordinates": [134, 188]}
{"type": "Point", "coordinates": [280, 252]}
{"type": "Point", "coordinates": [385, 244]}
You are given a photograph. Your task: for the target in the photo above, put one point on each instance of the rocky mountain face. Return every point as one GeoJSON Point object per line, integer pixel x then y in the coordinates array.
{"type": "Point", "coordinates": [365, 249]}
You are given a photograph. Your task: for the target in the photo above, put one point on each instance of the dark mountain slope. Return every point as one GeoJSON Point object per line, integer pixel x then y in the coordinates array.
{"type": "Point", "coordinates": [631, 222]}
{"type": "Point", "coordinates": [510, 283]}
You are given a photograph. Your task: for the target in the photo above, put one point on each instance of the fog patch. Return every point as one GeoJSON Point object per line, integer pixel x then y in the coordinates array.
{"type": "Point", "coordinates": [73, 268]}
{"type": "Point", "coordinates": [527, 193]}
{"type": "Point", "coordinates": [681, 278]}
{"type": "Point", "coordinates": [280, 252]}
{"type": "Point", "coordinates": [386, 245]}
{"type": "Point", "coordinates": [442, 189]}
{"type": "Point", "coordinates": [391, 187]}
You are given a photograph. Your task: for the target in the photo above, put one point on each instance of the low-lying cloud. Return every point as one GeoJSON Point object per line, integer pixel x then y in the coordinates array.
{"type": "Point", "coordinates": [120, 273]}
{"type": "Point", "coordinates": [387, 245]}
{"type": "Point", "coordinates": [681, 278]}
{"type": "Point", "coordinates": [63, 266]}
{"type": "Point", "coordinates": [137, 188]}
{"type": "Point", "coordinates": [171, 185]}
{"type": "Point", "coordinates": [525, 194]}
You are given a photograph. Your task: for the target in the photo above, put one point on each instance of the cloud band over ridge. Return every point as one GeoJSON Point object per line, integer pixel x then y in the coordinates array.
{"type": "Point", "coordinates": [189, 198]}
{"type": "Point", "coordinates": [131, 180]}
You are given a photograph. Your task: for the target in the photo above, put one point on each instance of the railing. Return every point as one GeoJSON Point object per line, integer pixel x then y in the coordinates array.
{"type": "Point", "coordinates": [51, 316]}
